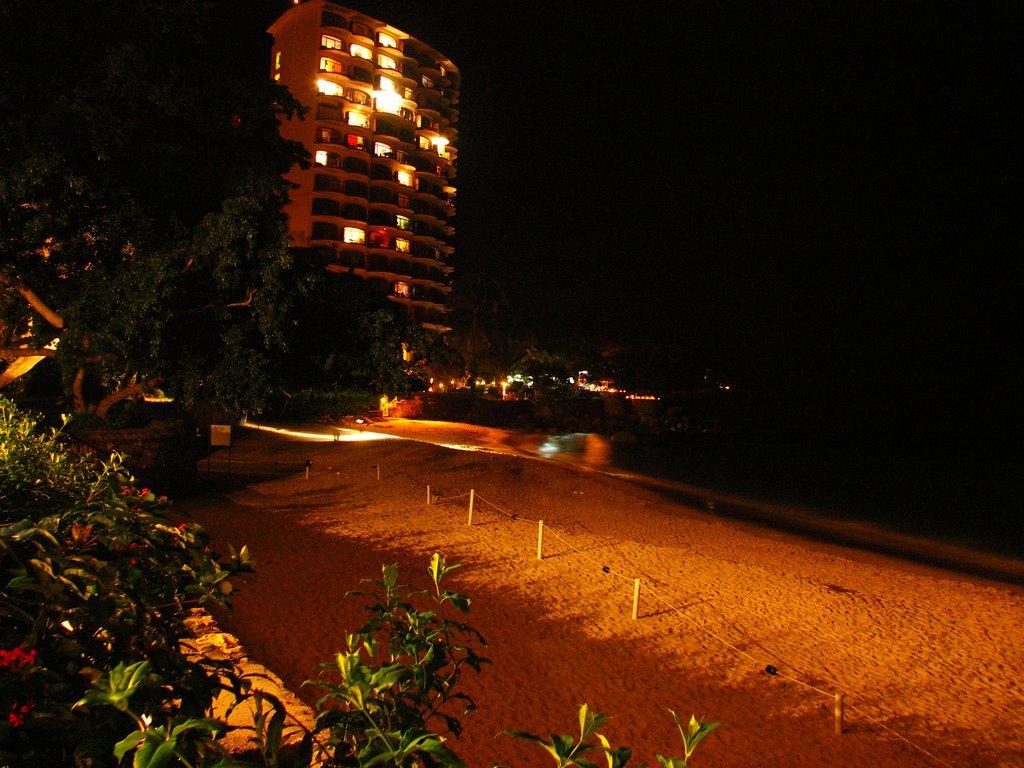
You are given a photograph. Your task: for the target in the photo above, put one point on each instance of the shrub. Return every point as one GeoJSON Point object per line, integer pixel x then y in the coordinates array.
{"type": "Point", "coordinates": [397, 676]}
{"type": "Point", "coordinates": [96, 584]}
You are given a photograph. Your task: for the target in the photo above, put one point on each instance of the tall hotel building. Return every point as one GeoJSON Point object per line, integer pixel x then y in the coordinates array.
{"type": "Point", "coordinates": [379, 198]}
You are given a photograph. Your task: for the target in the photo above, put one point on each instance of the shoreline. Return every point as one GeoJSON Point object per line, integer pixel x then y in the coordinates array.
{"type": "Point", "coordinates": [852, 538]}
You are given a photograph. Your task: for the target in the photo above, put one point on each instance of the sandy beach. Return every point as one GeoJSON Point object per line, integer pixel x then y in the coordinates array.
{"type": "Point", "coordinates": [928, 662]}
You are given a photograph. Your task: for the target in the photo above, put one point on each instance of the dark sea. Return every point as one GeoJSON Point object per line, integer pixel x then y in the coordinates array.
{"type": "Point", "coordinates": [960, 492]}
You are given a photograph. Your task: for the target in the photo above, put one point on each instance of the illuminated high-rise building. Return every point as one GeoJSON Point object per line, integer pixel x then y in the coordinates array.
{"type": "Point", "coordinates": [378, 200]}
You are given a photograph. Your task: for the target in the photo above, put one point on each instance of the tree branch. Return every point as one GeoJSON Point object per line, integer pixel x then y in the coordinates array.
{"type": "Point", "coordinates": [208, 307]}
{"type": "Point", "coordinates": [26, 352]}
{"type": "Point", "coordinates": [34, 301]}
{"type": "Point", "coordinates": [135, 388]}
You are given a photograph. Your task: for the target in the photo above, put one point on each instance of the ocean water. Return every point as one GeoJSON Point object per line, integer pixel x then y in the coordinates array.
{"type": "Point", "coordinates": [953, 491]}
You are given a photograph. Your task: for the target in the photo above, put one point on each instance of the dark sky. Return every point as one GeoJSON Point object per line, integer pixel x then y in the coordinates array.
{"type": "Point", "coordinates": [813, 195]}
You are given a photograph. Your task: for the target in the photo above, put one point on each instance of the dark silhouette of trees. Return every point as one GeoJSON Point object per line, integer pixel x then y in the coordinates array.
{"type": "Point", "coordinates": [141, 230]}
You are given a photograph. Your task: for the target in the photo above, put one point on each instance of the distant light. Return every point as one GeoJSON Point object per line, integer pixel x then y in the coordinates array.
{"type": "Point", "coordinates": [439, 141]}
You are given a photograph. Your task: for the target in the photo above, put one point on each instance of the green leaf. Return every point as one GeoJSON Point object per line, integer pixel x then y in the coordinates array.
{"type": "Point", "coordinates": [129, 742]}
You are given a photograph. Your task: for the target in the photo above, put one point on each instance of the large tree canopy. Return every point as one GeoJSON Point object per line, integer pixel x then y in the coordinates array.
{"type": "Point", "coordinates": [141, 193]}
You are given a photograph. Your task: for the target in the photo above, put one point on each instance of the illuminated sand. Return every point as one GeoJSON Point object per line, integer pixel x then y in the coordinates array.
{"type": "Point", "coordinates": [929, 663]}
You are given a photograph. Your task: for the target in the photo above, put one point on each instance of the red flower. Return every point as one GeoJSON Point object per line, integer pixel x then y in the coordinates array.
{"type": "Point", "coordinates": [17, 715]}
{"type": "Point", "coordinates": [18, 658]}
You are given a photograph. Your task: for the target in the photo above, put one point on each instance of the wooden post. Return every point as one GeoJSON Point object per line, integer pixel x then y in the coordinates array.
{"type": "Point", "coordinates": [540, 539]}
{"type": "Point", "coordinates": [428, 495]}
{"type": "Point", "coordinates": [470, 521]}
{"type": "Point", "coordinates": [839, 713]}
{"type": "Point", "coordinates": [636, 598]}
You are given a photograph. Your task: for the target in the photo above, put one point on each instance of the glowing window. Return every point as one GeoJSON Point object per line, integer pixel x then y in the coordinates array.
{"type": "Point", "coordinates": [329, 65]}
{"type": "Point", "coordinates": [385, 84]}
{"type": "Point", "coordinates": [387, 40]}
{"type": "Point", "coordinates": [380, 149]}
{"type": "Point", "coordinates": [379, 238]}
{"type": "Point", "coordinates": [320, 157]}
{"type": "Point", "coordinates": [427, 82]}
{"type": "Point", "coordinates": [404, 177]}
{"type": "Point", "coordinates": [277, 60]}
{"type": "Point", "coordinates": [424, 142]}
{"type": "Point", "coordinates": [386, 62]}
{"type": "Point", "coordinates": [354, 141]}
{"type": "Point", "coordinates": [358, 119]}
{"type": "Point", "coordinates": [360, 51]}
{"type": "Point", "coordinates": [401, 244]}
{"type": "Point", "coordinates": [387, 101]}
{"type": "Point", "coordinates": [328, 88]}
{"type": "Point", "coordinates": [354, 235]}
{"type": "Point", "coordinates": [331, 42]}
{"type": "Point", "coordinates": [402, 222]}
{"type": "Point", "coordinates": [402, 289]}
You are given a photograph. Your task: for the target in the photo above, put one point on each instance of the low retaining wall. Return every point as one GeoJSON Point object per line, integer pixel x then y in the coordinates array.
{"type": "Point", "coordinates": [161, 457]}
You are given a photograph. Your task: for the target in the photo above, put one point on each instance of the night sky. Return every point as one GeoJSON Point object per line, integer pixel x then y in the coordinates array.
{"type": "Point", "coordinates": [822, 199]}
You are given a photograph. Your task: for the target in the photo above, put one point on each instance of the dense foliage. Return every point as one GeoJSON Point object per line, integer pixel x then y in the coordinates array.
{"type": "Point", "coordinates": [96, 586]}
{"type": "Point", "coordinates": [142, 239]}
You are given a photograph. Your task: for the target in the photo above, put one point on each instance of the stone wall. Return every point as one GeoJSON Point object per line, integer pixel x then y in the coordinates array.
{"type": "Point", "coordinates": [161, 456]}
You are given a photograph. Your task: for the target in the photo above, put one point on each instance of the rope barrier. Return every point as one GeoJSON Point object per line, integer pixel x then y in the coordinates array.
{"type": "Point", "coordinates": [770, 669]}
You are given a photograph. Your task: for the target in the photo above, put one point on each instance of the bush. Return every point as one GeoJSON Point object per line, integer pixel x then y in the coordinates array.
{"type": "Point", "coordinates": [96, 585]}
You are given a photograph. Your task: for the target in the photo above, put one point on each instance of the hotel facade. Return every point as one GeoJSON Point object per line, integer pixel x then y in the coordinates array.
{"type": "Point", "coordinates": [379, 198]}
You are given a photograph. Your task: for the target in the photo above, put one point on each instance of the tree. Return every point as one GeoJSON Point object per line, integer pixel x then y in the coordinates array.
{"type": "Point", "coordinates": [141, 199]}
{"type": "Point", "coordinates": [484, 329]}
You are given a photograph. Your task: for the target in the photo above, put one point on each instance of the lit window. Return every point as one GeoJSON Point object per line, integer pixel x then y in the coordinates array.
{"type": "Point", "coordinates": [404, 177]}
{"type": "Point", "coordinates": [354, 141]}
{"type": "Point", "coordinates": [386, 62]}
{"type": "Point", "coordinates": [320, 157]}
{"type": "Point", "coordinates": [360, 51]}
{"type": "Point", "coordinates": [358, 119]}
{"type": "Point", "coordinates": [354, 235]}
{"type": "Point", "coordinates": [277, 60]}
{"type": "Point", "coordinates": [427, 82]}
{"type": "Point", "coordinates": [401, 244]}
{"type": "Point", "coordinates": [402, 289]}
{"type": "Point", "coordinates": [380, 149]}
{"type": "Point", "coordinates": [328, 88]}
{"type": "Point", "coordinates": [385, 84]}
{"type": "Point", "coordinates": [387, 101]}
{"type": "Point", "coordinates": [424, 142]}
{"type": "Point", "coordinates": [328, 41]}
{"type": "Point", "coordinates": [329, 65]}
{"type": "Point", "coordinates": [387, 40]}
{"type": "Point", "coordinates": [402, 222]}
